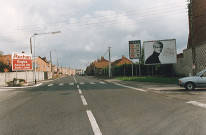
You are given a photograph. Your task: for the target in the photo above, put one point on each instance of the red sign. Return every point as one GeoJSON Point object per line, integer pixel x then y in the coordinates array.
{"type": "Point", "coordinates": [21, 61]}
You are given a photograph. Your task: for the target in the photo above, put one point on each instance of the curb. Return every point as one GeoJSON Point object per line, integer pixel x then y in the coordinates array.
{"type": "Point", "coordinates": [21, 87]}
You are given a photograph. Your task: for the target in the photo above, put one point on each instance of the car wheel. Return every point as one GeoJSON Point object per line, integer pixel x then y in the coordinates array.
{"type": "Point", "coordinates": [189, 86]}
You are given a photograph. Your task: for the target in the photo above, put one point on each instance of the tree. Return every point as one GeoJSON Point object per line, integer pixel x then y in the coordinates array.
{"type": "Point", "coordinates": [4, 66]}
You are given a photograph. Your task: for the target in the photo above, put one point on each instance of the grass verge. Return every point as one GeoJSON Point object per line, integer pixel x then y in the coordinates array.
{"type": "Point", "coordinates": [169, 80]}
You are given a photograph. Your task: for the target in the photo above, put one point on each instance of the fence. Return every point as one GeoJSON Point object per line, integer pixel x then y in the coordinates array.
{"type": "Point", "coordinates": [27, 76]}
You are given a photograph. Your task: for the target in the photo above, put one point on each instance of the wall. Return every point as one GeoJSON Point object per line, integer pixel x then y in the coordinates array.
{"type": "Point", "coordinates": [184, 65]}
{"type": "Point", "coordinates": [28, 76]}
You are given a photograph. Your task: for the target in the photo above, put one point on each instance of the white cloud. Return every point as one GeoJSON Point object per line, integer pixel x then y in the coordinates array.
{"type": "Point", "coordinates": [88, 25]}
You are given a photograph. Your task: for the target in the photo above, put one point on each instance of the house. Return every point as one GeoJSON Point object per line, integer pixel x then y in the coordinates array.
{"type": "Point", "coordinates": [96, 67]}
{"type": "Point", "coordinates": [42, 65]}
{"type": "Point", "coordinates": [121, 61]}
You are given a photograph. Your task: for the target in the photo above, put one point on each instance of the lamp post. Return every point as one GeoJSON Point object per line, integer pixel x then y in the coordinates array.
{"type": "Point", "coordinates": [51, 60]}
{"type": "Point", "coordinates": [35, 34]}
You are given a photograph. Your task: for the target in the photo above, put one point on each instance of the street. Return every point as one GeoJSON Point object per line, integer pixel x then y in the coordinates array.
{"type": "Point", "coordinates": [81, 105]}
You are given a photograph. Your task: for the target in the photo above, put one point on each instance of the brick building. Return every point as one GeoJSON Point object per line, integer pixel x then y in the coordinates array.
{"type": "Point", "coordinates": [198, 11]}
{"type": "Point", "coordinates": [97, 66]}
{"type": "Point", "coordinates": [121, 61]}
{"type": "Point", "coordinates": [42, 64]}
{"type": "Point", "coordinates": [184, 64]}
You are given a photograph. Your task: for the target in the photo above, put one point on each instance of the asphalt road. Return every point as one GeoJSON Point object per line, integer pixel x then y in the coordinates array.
{"type": "Point", "coordinates": [85, 106]}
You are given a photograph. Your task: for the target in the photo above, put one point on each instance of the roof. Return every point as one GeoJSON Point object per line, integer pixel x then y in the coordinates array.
{"type": "Point", "coordinates": [121, 61]}
{"type": "Point", "coordinates": [101, 64]}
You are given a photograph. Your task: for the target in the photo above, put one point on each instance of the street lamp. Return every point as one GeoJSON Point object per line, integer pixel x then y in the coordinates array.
{"type": "Point", "coordinates": [35, 34]}
{"type": "Point", "coordinates": [51, 60]}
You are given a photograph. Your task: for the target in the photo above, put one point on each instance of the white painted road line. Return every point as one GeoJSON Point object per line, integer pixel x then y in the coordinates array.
{"type": "Point", "coordinates": [71, 83]}
{"type": "Point", "coordinates": [91, 82]}
{"type": "Point", "coordinates": [84, 100]}
{"type": "Point", "coordinates": [82, 83]}
{"type": "Point", "coordinates": [50, 85]}
{"type": "Point", "coordinates": [197, 104]}
{"type": "Point", "coordinates": [93, 123]}
{"type": "Point", "coordinates": [102, 82]}
{"type": "Point", "coordinates": [75, 79]}
{"type": "Point", "coordinates": [80, 92]}
{"type": "Point", "coordinates": [130, 87]}
{"type": "Point", "coordinates": [61, 84]}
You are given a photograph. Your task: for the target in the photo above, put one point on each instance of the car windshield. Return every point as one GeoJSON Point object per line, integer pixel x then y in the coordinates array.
{"type": "Point", "coordinates": [200, 73]}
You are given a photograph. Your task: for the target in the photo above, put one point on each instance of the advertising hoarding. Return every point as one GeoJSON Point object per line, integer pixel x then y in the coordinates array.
{"type": "Point", "coordinates": [134, 49]}
{"type": "Point", "coordinates": [21, 61]}
{"type": "Point", "coordinates": [160, 52]}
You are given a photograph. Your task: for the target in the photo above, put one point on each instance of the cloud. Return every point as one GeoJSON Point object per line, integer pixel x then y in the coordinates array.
{"type": "Point", "coordinates": [89, 27]}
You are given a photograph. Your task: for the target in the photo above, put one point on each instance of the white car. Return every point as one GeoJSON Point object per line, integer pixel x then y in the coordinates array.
{"type": "Point", "coordinates": [192, 82]}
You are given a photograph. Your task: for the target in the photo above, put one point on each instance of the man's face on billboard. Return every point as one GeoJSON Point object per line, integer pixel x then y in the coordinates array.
{"type": "Point", "coordinates": [157, 48]}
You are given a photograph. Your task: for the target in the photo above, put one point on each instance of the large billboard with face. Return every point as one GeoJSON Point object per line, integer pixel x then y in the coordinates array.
{"type": "Point", "coordinates": [160, 52]}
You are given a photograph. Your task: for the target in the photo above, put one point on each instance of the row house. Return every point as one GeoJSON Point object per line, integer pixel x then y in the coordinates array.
{"type": "Point", "coordinates": [97, 67]}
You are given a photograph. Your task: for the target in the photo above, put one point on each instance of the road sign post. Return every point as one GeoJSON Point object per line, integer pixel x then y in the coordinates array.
{"type": "Point", "coordinates": [135, 52]}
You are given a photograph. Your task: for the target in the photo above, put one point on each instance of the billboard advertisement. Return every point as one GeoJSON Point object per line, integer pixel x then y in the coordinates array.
{"type": "Point", "coordinates": [21, 61]}
{"type": "Point", "coordinates": [160, 52]}
{"type": "Point", "coordinates": [134, 49]}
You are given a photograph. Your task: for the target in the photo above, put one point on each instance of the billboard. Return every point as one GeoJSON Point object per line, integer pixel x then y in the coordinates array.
{"type": "Point", "coordinates": [21, 61]}
{"type": "Point", "coordinates": [160, 52]}
{"type": "Point", "coordinates": [134, 49]}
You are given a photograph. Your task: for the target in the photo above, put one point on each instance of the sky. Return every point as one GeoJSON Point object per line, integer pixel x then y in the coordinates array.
{"type": "Point", "coordinates": [89, 27]}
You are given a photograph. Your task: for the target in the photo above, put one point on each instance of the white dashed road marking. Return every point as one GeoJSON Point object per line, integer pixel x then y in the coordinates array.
{"type": "Point", "coordinates": [71, 83]}
{"type": "Point", "coordinates": [93, 123]}
{"type": "Point", "coordinates": [102, 82]}
{"type": "Point", "coordinates": [91, 117]}
{"type": "Point", "coordinates": [75, 79]}
{"type": "Point", "coordinates": [61, 84]}
{"type": "Point", "coordinates": [80, 92]}
{"type": "Point", "coordinates": [83, 100]}
{"type": "Point", "coordinates": [50, 85]}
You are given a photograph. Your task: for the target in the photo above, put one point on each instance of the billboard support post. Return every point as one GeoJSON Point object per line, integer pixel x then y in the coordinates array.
{"type": "Point", "coordinates": [139, 68]}
{"type": "Point", "coordinates": [132, 69]}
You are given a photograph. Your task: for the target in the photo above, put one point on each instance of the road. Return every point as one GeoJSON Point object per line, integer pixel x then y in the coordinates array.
{"type": "Point", "coordinates": [79, 105]}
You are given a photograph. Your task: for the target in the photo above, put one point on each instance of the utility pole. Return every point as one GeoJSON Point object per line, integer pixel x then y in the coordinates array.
{"type": "Point", "coordinates": [51, 60]}
{"type": "Point", "coordinates": [191, 15]}
{"type": "Point", "coordinates": [109, 63]}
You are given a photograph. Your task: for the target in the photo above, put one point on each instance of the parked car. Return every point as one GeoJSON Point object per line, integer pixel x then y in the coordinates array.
{"type": "Point", "coordinates": [192, 82]}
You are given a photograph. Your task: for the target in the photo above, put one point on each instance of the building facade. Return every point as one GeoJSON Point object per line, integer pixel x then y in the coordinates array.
{"type": "Point", "coordinates": [197, 36]}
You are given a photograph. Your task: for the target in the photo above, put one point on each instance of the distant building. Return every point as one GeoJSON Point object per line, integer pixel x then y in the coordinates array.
{"type": "Point", "coordinates": [96, 67]}
{"type": "Point", "coordinates": [121, 61]}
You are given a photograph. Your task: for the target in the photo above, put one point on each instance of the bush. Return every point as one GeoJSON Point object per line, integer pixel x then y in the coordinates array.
{"type": "Point", "coordinates": [21, 80]}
